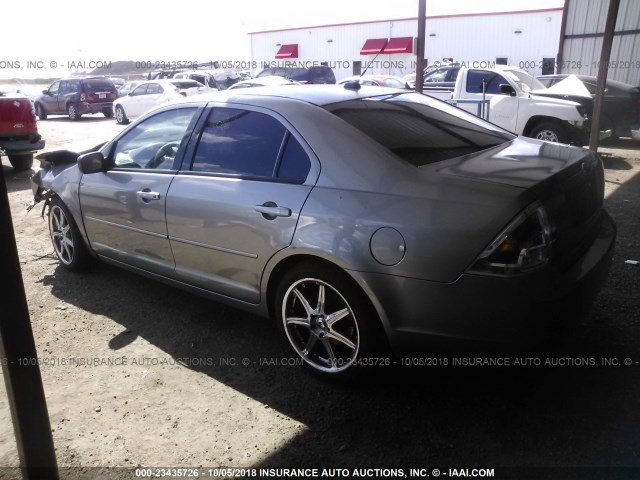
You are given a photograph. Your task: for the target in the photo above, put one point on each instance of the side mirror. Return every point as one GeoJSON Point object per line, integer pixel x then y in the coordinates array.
{"type": "Point", "coordinates": [45, 92]}
{"type": "Point", "coordinates": [507, 89]}
{"type": "Point", "coordinates": [93, 162]}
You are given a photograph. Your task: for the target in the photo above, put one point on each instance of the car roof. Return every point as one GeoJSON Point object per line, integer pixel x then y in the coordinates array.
{"type": "Point", "coordinates": [86, 78]}
{"type": "Point", "coordinates": [312, 94]}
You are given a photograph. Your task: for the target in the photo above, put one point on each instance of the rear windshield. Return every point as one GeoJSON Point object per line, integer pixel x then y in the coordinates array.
{"type": "Point", "coordinates": [99, 84]}
{"type": "Point", "coordinates": [187, 84]}
{"type": "Point", "coordinates": [420, 129]}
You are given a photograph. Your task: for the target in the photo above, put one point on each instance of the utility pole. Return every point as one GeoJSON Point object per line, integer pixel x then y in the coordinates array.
{"type": "Point", "coordinates": [605, 55]}
{"type": "Point", "coordinates": [20, 361]}
{"type": "Point", "coordinates": [422, 9]}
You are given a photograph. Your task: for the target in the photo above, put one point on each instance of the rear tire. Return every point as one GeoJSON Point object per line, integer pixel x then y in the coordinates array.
{"type": "Point", "coordinates": [549, 131]}
{"type": "Point", "coordinates": [68, 243]}
{"type": "Point", "coordinates": [108, 112]}
{"type": "Point", "coordinates": [21, 162]}
{"type": "Point", "coordinates": [328, 321]}
{"type": "Point", "coordinates": [41, 112]}
{"type": "Point", "coordinates": [72, 111]}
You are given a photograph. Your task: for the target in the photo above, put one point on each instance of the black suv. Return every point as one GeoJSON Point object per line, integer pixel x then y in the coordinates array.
{"type": "Point", "coordinates": [313, 75]}
{"type": "Point", "coordinates": [77, 96]}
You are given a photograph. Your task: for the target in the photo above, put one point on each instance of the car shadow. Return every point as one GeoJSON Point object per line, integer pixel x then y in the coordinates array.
{"type": "Point", "coordinates": [17, 181]}
{"type": "Point", "coordinates": [87, 117]}
{"type": "Point", "coordinates": [394, 415]}
{"type": "Point", "coordinates": [613, 162]}
{"type": "Point", "coordinates": [626, 143]}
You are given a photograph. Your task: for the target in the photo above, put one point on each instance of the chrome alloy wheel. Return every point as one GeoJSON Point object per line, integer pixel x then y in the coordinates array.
{"type": "Point", "coordinates": [548, 135]}
{"type": "Point", "coordinates": [61, 234]}
{"type": "Point", "coordinates": [325, 335]}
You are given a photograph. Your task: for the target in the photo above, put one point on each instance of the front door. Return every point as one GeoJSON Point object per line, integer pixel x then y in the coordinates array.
{"type": "Point", "coordinates": [151, 97]}
{"type": "Point", "coordinates": [503, 108]}
{"type": "Point", "coordinates": [50, 100]}
{"type": "Point", "coordinates": [123, 209]}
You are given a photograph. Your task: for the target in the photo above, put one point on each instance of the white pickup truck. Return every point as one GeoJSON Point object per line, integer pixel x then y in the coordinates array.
{"type": "Point", "coordinates": [517, 103]}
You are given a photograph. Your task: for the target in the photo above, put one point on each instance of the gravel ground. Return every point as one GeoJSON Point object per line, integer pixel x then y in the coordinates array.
{"type": "Point", "coordinates": [194, 383]}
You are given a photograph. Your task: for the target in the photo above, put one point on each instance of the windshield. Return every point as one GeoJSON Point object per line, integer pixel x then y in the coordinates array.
{"type": "Point", "coordinates": [525, 81]}
{"type": "Point", "coordinates": [418, 128]}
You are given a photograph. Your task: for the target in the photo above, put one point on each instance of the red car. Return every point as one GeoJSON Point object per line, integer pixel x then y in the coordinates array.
{"type": "Point", "coordinates": [19, 137]}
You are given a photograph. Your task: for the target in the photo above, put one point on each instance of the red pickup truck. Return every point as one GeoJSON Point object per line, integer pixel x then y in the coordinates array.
{"type": "Point", "coordinates": [19, 137]}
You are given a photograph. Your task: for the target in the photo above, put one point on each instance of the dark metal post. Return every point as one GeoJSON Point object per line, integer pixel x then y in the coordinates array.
{"type": "Point", "coordinates": [422, 9]}
{"type": "Point", "coordinates": [563, 32]}
{"type": "Point", "coordinates": [607, 41]}
{"type": "Point", "coordinates": [20, 362]}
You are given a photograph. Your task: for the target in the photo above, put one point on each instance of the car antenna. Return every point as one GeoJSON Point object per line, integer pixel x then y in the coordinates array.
{"type": "Point", "coordinates": [355, 84]}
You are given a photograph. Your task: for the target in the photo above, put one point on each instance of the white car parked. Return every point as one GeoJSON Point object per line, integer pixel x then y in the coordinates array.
{"type": "Point", "coordinates": [153, 93]}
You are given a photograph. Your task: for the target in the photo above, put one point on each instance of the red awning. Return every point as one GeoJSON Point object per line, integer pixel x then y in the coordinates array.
{"type": "Point", "coordinates": [399, 45]}
{"type": "Point", "coordinates": [373, 46]}
{"type": "Point", "coordinates": [288, 51]}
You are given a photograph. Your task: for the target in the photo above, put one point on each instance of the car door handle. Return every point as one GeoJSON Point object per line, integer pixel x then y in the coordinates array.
{"type": "Point", "coordinates": [270, 210]}
{"type": "Point", "coordinates": [146, 196]}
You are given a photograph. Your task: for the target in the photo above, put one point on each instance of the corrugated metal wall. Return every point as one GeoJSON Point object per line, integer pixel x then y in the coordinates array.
{"type": "Point", "coordinates": [476, 40]}
{"type": "Point", "coordinates": [583, 40]}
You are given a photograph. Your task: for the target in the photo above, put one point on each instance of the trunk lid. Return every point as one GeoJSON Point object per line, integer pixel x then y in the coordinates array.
{"type": "Point", "coordinates": [568, 181]}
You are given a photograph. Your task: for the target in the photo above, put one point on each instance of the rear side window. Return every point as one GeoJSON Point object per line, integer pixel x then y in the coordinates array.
{"type": "Point", "coordinates": [239, 142]}
{"type": "Point", "coordinates": [418, 129]}
{"type": "Point", "coordinates": [295, 163]}
{"type": "Point", "coordinates": [154, 89]}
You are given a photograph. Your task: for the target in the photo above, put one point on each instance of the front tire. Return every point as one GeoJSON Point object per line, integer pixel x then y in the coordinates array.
{"type": "Point", "coordinates": [549, 131]}
{"type": "Point", "coordinates": [68, 244]}
{"type": "Point", "coordinates": [121, 117]}
{"type": "Point", "coordinates": [21, 162]}
{"type": "Point", "coordinates": [327, 320]}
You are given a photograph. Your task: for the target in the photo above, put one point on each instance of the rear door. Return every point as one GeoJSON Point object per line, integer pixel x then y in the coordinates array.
{"type": "Point", "coordinates": [123, 209]}
{"type": "Point", "coordinates": [69, 93]}
{"type": "Point", "coordinates": [237, 200]}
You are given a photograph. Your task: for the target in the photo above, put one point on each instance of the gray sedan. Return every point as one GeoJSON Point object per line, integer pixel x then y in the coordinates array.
{"type": "Point", "coordinates": [361, 218]}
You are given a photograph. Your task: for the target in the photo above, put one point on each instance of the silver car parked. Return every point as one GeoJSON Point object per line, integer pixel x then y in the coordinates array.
{"type": "Point", "coordinates": [359, 217]}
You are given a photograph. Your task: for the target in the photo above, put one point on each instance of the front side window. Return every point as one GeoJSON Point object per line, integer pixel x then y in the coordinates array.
{"type": "Point", "coordinates": [475, 79]}
{"type": "Point", "coordinates": [239, 142]}
{"type": "Point", "coordinates": [54, 88]}
{"type": "Point", "coordinates": [419, 129]}
{"type": "Point", "coordinates": [154, 143]}
{"type": "Point", "coordinates": [141, 90]}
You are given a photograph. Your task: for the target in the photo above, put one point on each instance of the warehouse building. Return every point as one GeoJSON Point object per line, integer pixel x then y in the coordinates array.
{"type": "Point", "coordinates": [582, 34]}
{"type": "Point", "coordinates": [528, 39]}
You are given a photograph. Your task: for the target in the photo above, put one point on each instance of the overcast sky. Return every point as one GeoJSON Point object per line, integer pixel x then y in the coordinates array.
{"type": "Point", "coordinates": [195, 30]}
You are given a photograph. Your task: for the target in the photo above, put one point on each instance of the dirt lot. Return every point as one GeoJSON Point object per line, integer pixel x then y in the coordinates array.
{"type": "Point", "coordinates": [198, 383]}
